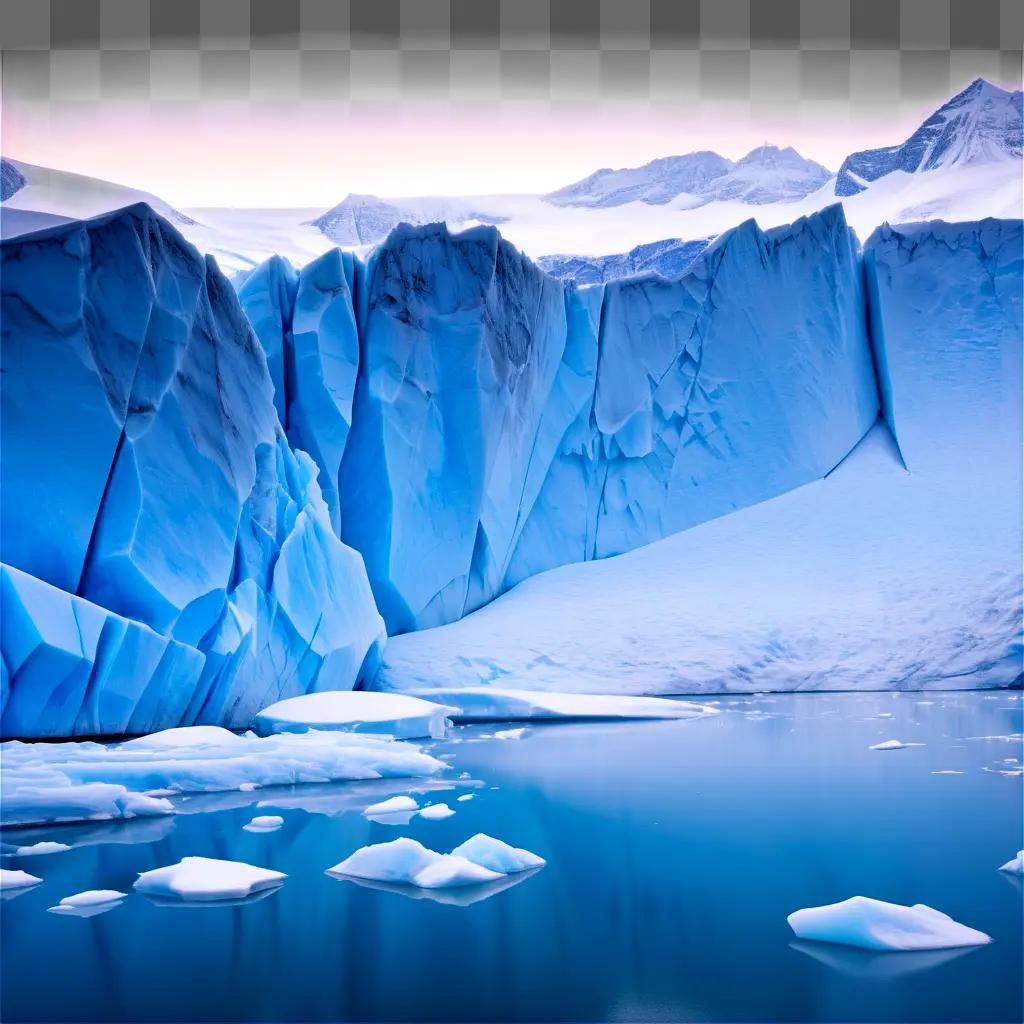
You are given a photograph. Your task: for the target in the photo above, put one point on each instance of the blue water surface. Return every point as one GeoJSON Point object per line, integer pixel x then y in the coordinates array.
{"type": "Point", "coordinates": [675, 851]}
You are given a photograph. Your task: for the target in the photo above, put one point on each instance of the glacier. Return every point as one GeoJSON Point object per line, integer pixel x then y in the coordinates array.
{"type": "Point", "coordinates": [900, 569]}
{"type": "Point", "coordinates": [220, 501]}
{"type": "Point", "coordinates": [167, 556]}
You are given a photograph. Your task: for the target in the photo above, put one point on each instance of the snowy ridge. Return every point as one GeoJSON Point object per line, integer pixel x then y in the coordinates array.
{"type": "Point", "coordinates": [980, 125]}
{"type": "Point", "coordinates": [667, 258]}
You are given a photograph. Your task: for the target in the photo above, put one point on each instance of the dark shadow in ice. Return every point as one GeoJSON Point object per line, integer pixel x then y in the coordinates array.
{"type": "Point", "coordinates": [882, 965]}
{"type": "Point", "coordinates": [171, 901]}
{"type": "Point", "coordinates": [463, 896]}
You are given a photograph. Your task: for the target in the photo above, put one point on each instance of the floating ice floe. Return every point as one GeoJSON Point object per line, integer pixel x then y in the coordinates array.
{"type": "Point", "coordinates": [393, 805]}
{"type": "Point", "coordinates": [89, 903]}
{"type": "Point", "coordinates": [206, 879]}
{"type": "Point", "coordinates": [496, 704]}
{"type": "Point", "coordinates": [44, 782]}
{"type": "Point", "coordinates": [464, 797]}
{"type": "Point", "coordinates": [264, 823]}
{"type": "Point", "coordinates": [1015, 866]}
{"type": "Point", "coordinates": [497, 856]}
{"type": "Point", "coordinates": [40, 848]}
{"type": "Point", "coordinates": [948, 771]}
{"type": "Point", "coordinates": [510, 734]}
{"type": "Point", "coordinates": [874, 924]}
{"type": "Point", "coordinates": [10, 879]}
{"type": "Point", "coordinates": [893, 745]}
{"type": "Point", "coordinates": [393, 714]}
{"type": "Point", "coordinates": [407, 862]}
{"type": "Point", "coordinates": [436, 812]}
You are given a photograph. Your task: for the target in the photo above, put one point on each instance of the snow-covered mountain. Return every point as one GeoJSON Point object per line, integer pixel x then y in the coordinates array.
{"type": "Point", "coordinates": [669, 258]}
{"type": "Point", "coordinates": [981, 125]}
{"type": "Point", "coordinates": [655, 182]}
{"type": "Point", "coordinates": [11, 179]}
{"type": "Point", "coordinates": [365, 220]}
{"type": "Point", "coordinates": [767, 174]}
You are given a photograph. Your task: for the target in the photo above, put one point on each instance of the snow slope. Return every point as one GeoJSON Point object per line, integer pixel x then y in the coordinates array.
{"type": "Point", "coordinates": [168, 558]}
{"type": "Point", "coordinates": [883, 575]}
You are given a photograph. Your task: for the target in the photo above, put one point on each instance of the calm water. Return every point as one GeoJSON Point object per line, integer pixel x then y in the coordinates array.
{"type": "Point", "coordinates": [675, 851]}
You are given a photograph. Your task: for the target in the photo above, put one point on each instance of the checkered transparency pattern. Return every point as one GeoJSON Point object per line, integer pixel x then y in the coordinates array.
{"type": "Point", "coordinates": [759, 55]}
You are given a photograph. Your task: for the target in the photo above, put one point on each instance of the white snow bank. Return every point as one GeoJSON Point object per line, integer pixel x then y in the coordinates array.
{"type": "Point", "coordinates": [492, 703]}
{"type": "Point", "coordinates": [393, 805]}
{"type": "Point", "coordinates": [436, 812]}
{"type": "Point", "coordinates": [17, 879]}
{"type": "Point", "coordinates": [205, 879]}
{"type": "Point", "coordinates": [264, 823]}
{"type": "Point", "coordinates": [89, 903]}
{"type": "Point", "coordinates": [397, 715]}
{"type": "Point", "coordinates": [43, 782]}
{"type": "Point", "coordinates": [498, 856]}
{"type": "Point", "coordinates": [1015, 866]}
{"type": "Point", "coordinates": [874, 924]}
{"type": "Point", "coordinates": [407, 862]}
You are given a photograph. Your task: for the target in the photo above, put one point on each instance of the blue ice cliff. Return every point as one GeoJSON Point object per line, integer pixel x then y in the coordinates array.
{"type": "Point", "coordinates": [505, 422]}
{"type": "Point", "coordinates": [206, 499]}
{"type": "Point", "coordinates": [168, 557]}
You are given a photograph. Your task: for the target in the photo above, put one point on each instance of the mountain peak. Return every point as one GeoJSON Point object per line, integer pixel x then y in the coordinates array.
{"type": "Point", "coordinates": [981, 124]}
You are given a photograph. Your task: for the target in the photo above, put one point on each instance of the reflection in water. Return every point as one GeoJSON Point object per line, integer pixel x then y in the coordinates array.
{"type": "Point", "coordinates": [863, 963]}
{"type": "Point", "coordinates": [675, 852]}
{"type": "Point", "coordinates": [241, 901]}
{"type": "Point", "coordinates": [463, 896]}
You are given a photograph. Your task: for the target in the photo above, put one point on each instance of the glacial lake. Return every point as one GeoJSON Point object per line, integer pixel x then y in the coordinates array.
{"type": "Point", "coordinates": [675, 851]}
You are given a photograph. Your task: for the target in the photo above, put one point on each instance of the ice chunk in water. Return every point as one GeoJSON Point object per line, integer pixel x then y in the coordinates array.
{"type": "Point", "coordinates": [38, 848]}
{"type": "Point", "coordinates": [407, 862]}
{"type": "Point", "coordinates": [204, 879]}
{"type": "Point", "coordinates": [436, 812]}
{"type": "Point", "coordinates": [393, 805]}
{"type": "Point", "coordinates": [17, 879]}
{"type": "Point", "coordinates": [395, 714]}
{"type": "Point", "coordinates": [1015, 866]}
{"type": "Point", "coordinates": [873, 924]}
{"type": "Point", "coordinates": [496, 855]}
{"type": "Point", "coordinates": [89, 903]}
{"type": "Point", "coordinates": [264, 823]}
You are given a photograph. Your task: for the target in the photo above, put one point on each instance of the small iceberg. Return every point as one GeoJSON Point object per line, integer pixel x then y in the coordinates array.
{"type": "Point", "coordinates": [497, 856]}
{"type": "Point", "coordinates": [394, 714]}
{"type": "Point", "coordinates": [873, 924]}
{"type": "Point", "coordinates": [893, 745]}
{"type": "Point", "coordinates": [499, 704]}
{"type": "Point", "coordinates": [510, 734]}
{"type": "Point", "coordinates": [1015, 866]}
{"type": "Point", "coordinates": [436, 812]}
{"type": "Point", "coordinates": [10, 879]}
{"type": "Point", "coordinates": [407, 862]}
{"type": "Point", "coordinates": [205, 879]}
{"type": "Point", "coordinates": [89, 903]}
{"type": "Point", "coordinates": [264, 823]}
{"type": "Point", "coordinates": [393, 805]}
{"type": "Point", "coordinates": [40, 848]}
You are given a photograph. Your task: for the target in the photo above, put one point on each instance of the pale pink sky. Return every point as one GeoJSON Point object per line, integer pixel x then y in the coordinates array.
{"type": "Point", "coordinates": [231, 154]}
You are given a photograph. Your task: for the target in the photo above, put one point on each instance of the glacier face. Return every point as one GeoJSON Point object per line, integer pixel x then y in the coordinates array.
{"type": "Point", "coordinates": [901, 569]}
{"type": "Point", "coordinates": [156, 523]}
{"type": "Point", "coordinates": [981, 124]}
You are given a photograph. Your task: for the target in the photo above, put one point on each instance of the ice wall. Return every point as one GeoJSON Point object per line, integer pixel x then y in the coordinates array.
{"type": "Point", "coordinates": [505, 423]}
{"type": "Point", "coordinates": [171, 557]}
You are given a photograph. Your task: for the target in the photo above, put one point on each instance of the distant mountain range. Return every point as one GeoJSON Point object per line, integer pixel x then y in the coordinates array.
{"type": "Point", "coordinates": [980, 125]}
{"type": "Point", "coordinates": [765, 175]}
